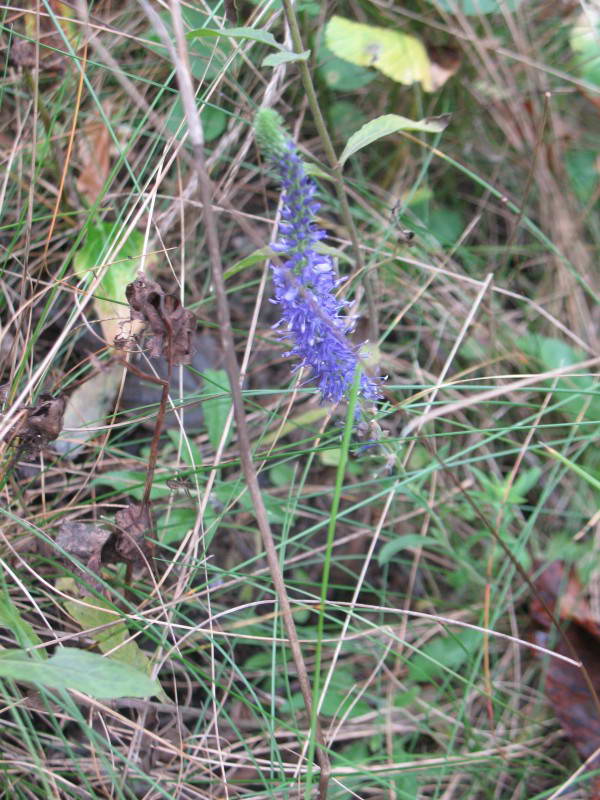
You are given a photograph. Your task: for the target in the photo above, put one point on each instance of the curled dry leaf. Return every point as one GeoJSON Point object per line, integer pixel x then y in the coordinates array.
{"type": "Point", "coordinates": [95, 545]}
{"type": "Point", "coordinates": [171, 324]}
{"type": "Point", "coordinates": [85, 541]}
{"type": "Point", "coordinates": [567, 689]}
{"type": "Point", "coordinates": [131, 543]}
{"type": "Point", "coordinates": [41, 425]}
{"type": "Point", "coordinates": [444, 62]}
{"type": "Point", "coordinates": [94, 156]}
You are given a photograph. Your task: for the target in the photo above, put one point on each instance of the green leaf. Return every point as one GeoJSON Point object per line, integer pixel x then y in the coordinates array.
{"type": "Point", "coordinates": [443, 653]}
{"type": "Point", "coordinates": [583, 169]}
{"type": "Point", "coordinates": [253, 34]}
{"type": "Point", "coordinates": [340, 74]}
{"type": "Point", "coordinates": [397, 55]}
{"type": "Point", "coordinates": [70, 668]}
{"type": "Point", "coordinates": [174, 526]}
{"type": "Point", "coordinates": [216, 407]}
{"type": "Point", "coordinates": [575, 393]}
{"type": "Point", "coordinates": [410, 540]}
{"type": "Point", "coordinates": [390, 123]}
{"type": "Point", "coordinates": [284, 57]}
{"type": "Point", "coordinates": [214, 121]}
{"type": "Point", "coordinates": [97, 611]}
{"type": "Point", "coordinates": [346, 118]}
{"type": "Point", "coordinates": [110, 302]}
{"type": "Point", "coordinates": [249, 261]}
{"type": "Point", "coordinates": [282, 475]}
{"type": "Point", "coordinates": [190, 452]}
{"type": "Point", "coordinates": [10, 617]}
{"type": "Point", "coordinates": [476, 7]}
{"type": "Point", "coordinates": [130, 482]}
{"type": "Point", "coordinates": [585, 41]}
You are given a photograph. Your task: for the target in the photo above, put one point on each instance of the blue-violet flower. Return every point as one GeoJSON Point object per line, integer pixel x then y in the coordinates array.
{"type": "Point", "coordinates": [305, 281]}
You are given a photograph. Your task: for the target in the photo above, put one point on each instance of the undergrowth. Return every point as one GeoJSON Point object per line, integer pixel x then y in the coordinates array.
{"type": "Point", "coordinates": [407, 536]}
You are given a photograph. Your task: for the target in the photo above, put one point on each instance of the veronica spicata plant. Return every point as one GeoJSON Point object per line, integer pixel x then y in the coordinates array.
{"type": "Point", "coordinates": [305, 280]}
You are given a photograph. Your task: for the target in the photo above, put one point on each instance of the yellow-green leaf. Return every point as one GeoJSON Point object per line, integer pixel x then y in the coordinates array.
{"type": "Point", "coordinates": [94, 612]}
{"type": "Point", "coordinates": [390, 123]}
{"type": "Point", "coordinates": [398, 55]}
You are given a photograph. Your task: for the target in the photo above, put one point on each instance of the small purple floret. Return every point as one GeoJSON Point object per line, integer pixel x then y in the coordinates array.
{"type": "Point", "coordinates": [305, 284]}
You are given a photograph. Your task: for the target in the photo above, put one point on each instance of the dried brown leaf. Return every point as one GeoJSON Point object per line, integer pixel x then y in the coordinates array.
{"type": "Point", "coordinates": [85, 541]}
{"type": "Point", "coordinates": [444, 62]}
{"type": "Point", "coordinates": [41, 424]}
{"type": "Point", "coordinates": [134, 524]}
{"type": "Point", "coordinates": [567, 688]}
{"type": "Point", "coordinates": [171, 324]}
{"type": "Point", "coordinates": [94, 155]}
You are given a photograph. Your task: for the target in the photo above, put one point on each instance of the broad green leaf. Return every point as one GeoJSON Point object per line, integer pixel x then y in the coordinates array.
{"type": "Point", "coordinates": [583, 169]}
{"type": "Point", "coordinates": [346, 118]}
{"type": "Point", "coordinates": [446, 224]}
{"type": "Point", "coordinates": [585, 41]}
{"type": "Point", "coordinates": [284, 57]}
{"type": "Point", "coordinates": [130, 482]}
{"type": "Point", "coordinates": [190, 452]}
{"type": "Point", "coordinates": [110, 302]}
{"type": "Point", "coordinates": [214, 121]}
{"type": "Point", "coordinates": [174, 526]}
{"type": "Point", "coordinates": [476, 7]}
{"type": "Point", "coordinates": [216, 407]}
{"type": "Point", "coordinates": [275, 506]}
{"type": "Point", "coordinates": [253, 34]}
{"type": "Point", "coordinates": [409, 540]}
{"type": "Point", "coordinates": [70, 668]}
{"type": "Point", "coordinates": [443, 653]}
{"type": "Point", "coordinates": [95, 612]}
{"type": "Point", "coordinates": [10, 617]}
{"type": "Point", "coordinates": [340, 74]}
{"type": "Point", "coordinates": [397, 55]}
{"type": "Point", "coordinates": [390, 123]}
{"type": "Point", "coordinates": [282, 475]}
{"type": "Point", "coordinates": [574, 392]}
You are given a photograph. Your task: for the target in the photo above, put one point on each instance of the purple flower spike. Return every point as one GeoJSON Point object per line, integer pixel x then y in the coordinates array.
{"type": "Point", "coordinates": [312, 316]}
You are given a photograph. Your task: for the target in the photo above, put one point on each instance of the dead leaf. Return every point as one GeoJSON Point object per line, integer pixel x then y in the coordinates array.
{"type": "Point", "coordinates": [171, 324]}
{"type": "Point", "coordinates": [444, 63]}
{"type": "Point", "coordinates": [566, 687]}
{"type": "Point", "coordinates": [94, 155]}
{"type": "Point", "coordinates": [85, 541]}
{"type": "Point", "coordinates": [134, 524]}
{"type": "Point", "coordinates": [41, 425]}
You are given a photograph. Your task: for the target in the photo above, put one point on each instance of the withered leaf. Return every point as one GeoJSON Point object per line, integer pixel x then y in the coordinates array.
{"type": "Point", "coordinates": [444, 62]}
{"type": "Point", "coordinates": [134, 524]}
{"type": "Point", "coordinates": [45, 419]}
{"type": "Point", "coordinates": [85, 541]}
{"type": "Point", "coordinates": [42, 424]}
{"type": "Point", "coordinates": [171, 324]}
{"type": "Point", "coordinates": [94, 154]}
{"type": "Point", "coordinates": [567, 689]}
